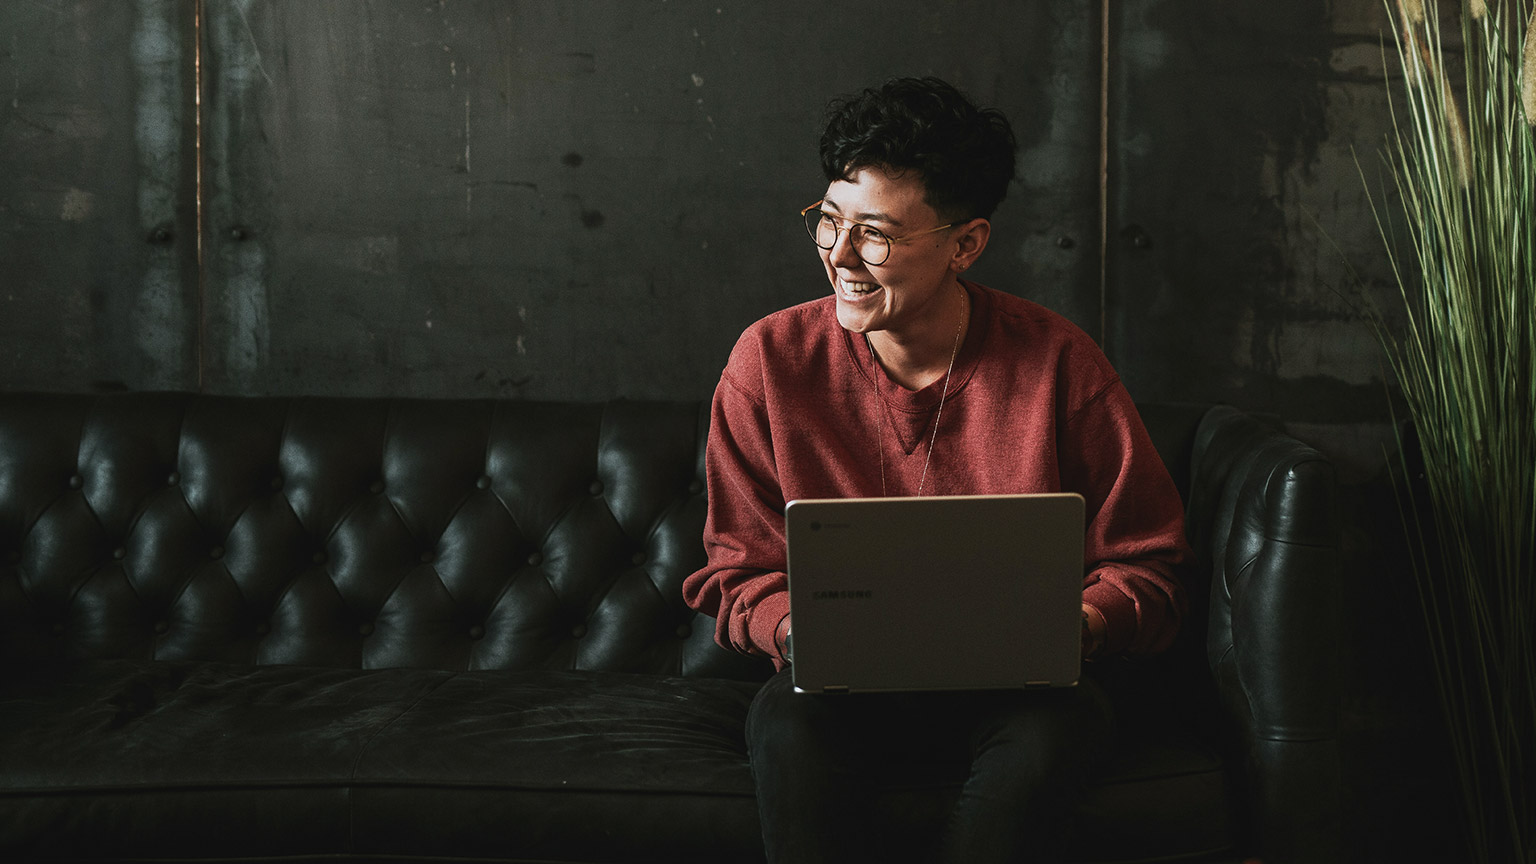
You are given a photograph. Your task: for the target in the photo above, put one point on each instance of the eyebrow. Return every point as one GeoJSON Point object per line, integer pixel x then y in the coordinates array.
{"type": "Point", "coordinates": [862, 217]}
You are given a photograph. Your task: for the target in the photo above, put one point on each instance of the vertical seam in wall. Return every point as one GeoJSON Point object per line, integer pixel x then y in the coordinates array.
{"type": "Point", "coordinates": [1104, 175]}
{"type": "Point", "coordinates": [200, 212]}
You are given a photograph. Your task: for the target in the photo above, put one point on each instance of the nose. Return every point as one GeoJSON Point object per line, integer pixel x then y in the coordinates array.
{"type": "Point", "coordinates": [842, 253]}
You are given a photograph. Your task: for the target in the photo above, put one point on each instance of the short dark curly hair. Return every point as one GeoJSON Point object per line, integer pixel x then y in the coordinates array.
{"type": "Point", "coordinates": [963, 154]}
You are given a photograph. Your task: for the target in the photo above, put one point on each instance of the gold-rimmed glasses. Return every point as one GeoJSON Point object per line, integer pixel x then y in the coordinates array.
{"type": "Point", "coordinates": [872, 245]}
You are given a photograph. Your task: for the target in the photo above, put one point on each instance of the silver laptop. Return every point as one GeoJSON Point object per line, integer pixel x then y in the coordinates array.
{"type": "Point", "coordinates": [941, 593]}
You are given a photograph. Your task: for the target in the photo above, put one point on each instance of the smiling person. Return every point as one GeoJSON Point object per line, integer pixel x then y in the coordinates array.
{"type": "Point", "coordinates": [908, 379]}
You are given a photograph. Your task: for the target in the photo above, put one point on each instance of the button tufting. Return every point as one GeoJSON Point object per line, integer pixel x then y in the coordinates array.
{"type": "Point", "coordinates": [578, 631]}
{"type": "Point", "coordinates": [76, 481]}
{"type": "Point", "coordinates": [376, 486]}
{"type": "Point", "coordinates": [161, 628]}
{"type": "Point", "coordinates": [427, 556]}
{"type": "Point", "coordinates": [483, 483]}
{"type": "Point", "coordinates": [476, 632]}
{"type": "Point", "coordinates": [173, 478]}
{"type": "Point", "coordinates": [596, 488]}
{"type": "Point", "coordinates": [535, 559]}
{"type": "Point", "coordinates": [216, 552]}
{"type": "Point", "coordinates": [318, 557]}
{"type": "Point", "coordinates": [684, 631]}
{"type": "Point", "coordinates": [695, 488]}
{"type": "Point", "coordinates": [365, 630]}
{"type": "Point", "coordinates": [119, 554]}
{"type": "Point", "coordinates": [637, 559]}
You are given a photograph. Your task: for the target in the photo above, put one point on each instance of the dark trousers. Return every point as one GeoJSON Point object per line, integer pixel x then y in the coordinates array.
{"type": "Point", "coordinates": [974, 777]}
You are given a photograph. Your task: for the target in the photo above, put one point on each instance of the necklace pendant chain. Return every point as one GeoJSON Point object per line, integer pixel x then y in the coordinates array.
{"type": "Point", "coordinates": [938, 415]}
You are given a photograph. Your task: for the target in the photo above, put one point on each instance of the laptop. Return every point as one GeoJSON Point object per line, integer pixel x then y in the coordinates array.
{"type": "Point", "coordinates": [969, 592]}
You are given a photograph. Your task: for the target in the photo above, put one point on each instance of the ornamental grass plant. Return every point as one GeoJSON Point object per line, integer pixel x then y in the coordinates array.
{"type": "Point", "coordinates": [1462, 157]}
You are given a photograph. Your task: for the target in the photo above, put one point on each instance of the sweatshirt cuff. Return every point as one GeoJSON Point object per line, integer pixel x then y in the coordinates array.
{"type": "Point", "coordinates": [766, 616]}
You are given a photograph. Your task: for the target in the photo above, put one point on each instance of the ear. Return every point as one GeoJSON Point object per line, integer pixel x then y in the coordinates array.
{"type": "Point", "coordinates": [970, 239]}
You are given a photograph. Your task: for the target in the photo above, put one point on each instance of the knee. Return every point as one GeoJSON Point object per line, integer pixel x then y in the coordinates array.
{"type": "Point", "coordinates": [781, 718]}
{"type": "Point", "coordinates": [1043, 733]}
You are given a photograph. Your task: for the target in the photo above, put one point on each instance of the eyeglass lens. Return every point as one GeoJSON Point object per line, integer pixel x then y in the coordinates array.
{"type": "Point", "coordinates": [872, 246]}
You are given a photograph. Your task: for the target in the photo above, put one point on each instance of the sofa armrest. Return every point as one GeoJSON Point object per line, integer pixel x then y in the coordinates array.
{"type": "Point", "coordinates": [1263, 518]}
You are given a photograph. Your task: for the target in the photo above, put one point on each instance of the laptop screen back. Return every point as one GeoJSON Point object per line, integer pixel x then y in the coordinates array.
{"type": "Point", "coordinates": [939, 593]}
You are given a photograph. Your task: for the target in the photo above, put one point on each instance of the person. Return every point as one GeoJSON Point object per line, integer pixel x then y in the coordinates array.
{"type": "Point", "coordinates": [908, 379]}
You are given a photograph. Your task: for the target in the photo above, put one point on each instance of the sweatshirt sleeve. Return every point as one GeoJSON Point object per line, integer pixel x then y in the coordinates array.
{"type": "Point", "coordinates": [1135, 540]}
{"type": "Point", "coordinates": [744, 583]}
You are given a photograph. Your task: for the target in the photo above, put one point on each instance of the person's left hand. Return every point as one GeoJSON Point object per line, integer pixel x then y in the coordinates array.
{"type": "Point", "coordinates": [1094, 631]}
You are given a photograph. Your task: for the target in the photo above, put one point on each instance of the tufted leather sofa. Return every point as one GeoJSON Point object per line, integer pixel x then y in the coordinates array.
{"type": "Point", "coordinates": [261, 629]}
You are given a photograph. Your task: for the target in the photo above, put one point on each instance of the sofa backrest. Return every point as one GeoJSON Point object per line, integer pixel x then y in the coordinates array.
{"type": "Point", "coordinates": [371, 533]}
{"type": "Point", "coordinates": [361, 533]}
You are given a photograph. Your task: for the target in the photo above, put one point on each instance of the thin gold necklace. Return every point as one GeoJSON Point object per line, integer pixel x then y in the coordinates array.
{"type": "Point", "coordinates": [937, 416]}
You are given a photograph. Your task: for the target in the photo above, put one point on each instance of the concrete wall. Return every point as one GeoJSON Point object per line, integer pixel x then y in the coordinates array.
{"type": "Point", "coordinates": [98, 230]}
{"type": "Point", "coordinates": [1243, 249]}
{"type": "Point", "coordinates": [475, 198]}
{"type": "Point", "coordinates": [583, 200]}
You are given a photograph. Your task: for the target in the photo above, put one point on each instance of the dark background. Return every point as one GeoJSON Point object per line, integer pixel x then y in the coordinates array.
{"type": "Point", "coordinates": [587, 200]}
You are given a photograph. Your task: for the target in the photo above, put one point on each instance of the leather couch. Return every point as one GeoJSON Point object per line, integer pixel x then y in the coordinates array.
{"type": "Point", "coordinates": [321, 628]}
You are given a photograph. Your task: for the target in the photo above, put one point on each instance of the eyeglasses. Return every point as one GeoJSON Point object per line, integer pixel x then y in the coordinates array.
{"type": "Point", "coordinates": [872, 245]}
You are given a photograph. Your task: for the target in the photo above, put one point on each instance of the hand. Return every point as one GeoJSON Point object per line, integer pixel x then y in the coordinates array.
{"type": "Point", "coordinates": [781, 641]}
{"type": "Point", "coordinates": [1094, 631]}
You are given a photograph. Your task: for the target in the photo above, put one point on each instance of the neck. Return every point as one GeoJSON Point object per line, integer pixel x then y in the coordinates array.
{"type": "Point", "coordinates": [917, 359]}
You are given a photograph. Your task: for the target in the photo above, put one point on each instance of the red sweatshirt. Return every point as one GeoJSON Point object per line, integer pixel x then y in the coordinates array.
{"type": "Point", "coordinates": [804, 411]}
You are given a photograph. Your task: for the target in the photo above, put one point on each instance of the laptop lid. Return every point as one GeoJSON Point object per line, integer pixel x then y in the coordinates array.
{"type": "Point", "coordinates": [939, 593]}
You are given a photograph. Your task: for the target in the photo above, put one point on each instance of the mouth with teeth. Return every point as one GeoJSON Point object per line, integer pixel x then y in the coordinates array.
{"type": "Point", "coordinates": [856, 290]}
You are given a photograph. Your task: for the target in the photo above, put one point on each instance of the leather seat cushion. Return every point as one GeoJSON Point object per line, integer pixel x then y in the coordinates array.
{"type": "Point", "coordinates": [197, 759]}
{"type": "Point", "coordinates": [220, 761]}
